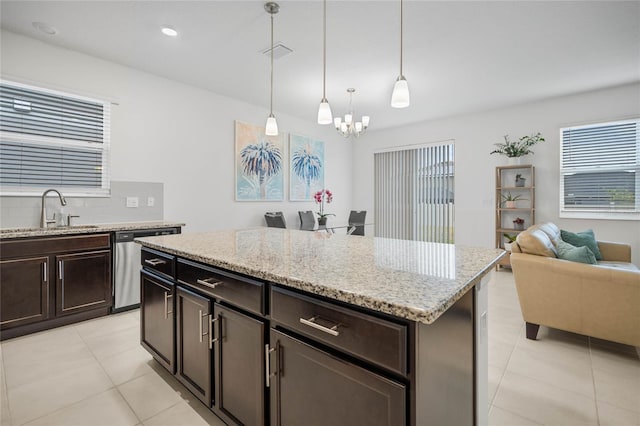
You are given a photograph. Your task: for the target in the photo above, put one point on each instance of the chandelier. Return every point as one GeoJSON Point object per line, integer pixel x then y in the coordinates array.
{"type": "Point", "coordinates": [349, 127]}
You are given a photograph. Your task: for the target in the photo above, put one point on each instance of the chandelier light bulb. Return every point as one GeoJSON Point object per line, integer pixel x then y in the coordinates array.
{"type": "Point", "coordinates": [365, 121]}
{"type": "Point", "coordinates": [343, 127]}
{"type": "Point", "coordinates": [348, 118]}
{"type": "Point", "coordinates": [358, 126]}
{"type": "Point", "coordinates": [336, 122]}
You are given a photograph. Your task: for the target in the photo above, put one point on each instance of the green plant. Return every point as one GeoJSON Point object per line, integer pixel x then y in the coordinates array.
{"type": "Point", "coordinates": [517, 148]}
{"type": "Point", "coordinates": [510, 238]}
{"type": "Point", "coordinates": [509, 197]}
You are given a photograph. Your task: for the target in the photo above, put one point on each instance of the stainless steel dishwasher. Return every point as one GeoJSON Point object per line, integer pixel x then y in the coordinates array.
{"type": "Point", "coordinates": [126, 288]}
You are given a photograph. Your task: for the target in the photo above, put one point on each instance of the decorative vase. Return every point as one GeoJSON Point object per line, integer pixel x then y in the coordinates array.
{"type": "Point", "coordinates": [518, 226]}
{"type": "Point", "coordinates": [520, 182]}
{"type": "Point", "coordinates": [507, 246]}
{"type": "Point", "coordinates": [510, 204]}
{"type": "Point", "coordinates": [322, 221]}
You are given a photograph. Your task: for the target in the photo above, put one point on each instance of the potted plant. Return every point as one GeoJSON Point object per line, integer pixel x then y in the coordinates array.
{"type": "Point", "coordinates": [509, 201]}
{"type": "Point", "coordinates": [519, 148]}
{"type": "Point", "coordinates": [518, 224]}
{"type": "Point", "coordinates": [520, 181]}
{"type": "Point", "coordinates": [508, 240]}
{"type": "Point", "coordinates": [321, 197]}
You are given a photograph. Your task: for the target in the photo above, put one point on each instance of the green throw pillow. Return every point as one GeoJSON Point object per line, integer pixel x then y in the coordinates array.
{"type": "Point", "coordinates": [582, 254]}
{"type": "Point", "coordinates": [586, 238]}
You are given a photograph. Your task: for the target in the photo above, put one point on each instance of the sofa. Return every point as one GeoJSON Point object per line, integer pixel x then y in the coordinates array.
{"type": "Point", "coordinates": [600, 300]}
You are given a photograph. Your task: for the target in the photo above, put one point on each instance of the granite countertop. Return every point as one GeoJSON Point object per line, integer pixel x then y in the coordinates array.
{"type": "Point", "coordinates": [9, 233]}
{"type": "Point", "coordinates": [409, 279]}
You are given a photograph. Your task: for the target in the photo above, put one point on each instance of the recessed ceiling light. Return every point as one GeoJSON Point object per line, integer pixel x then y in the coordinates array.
{"type": "Point", "coordinates": [45, 28]}
{"type": "Point", "coordinates": [169, 31]}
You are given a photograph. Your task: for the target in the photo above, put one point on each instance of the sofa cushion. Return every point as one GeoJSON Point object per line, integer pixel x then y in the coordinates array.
{"type": "Point", "coordinates": [535, 241]}
{"type": "Point", "coordinates": [552, 231]}
{"type": "Point", "coordinates": [581, 254]}
{"type": "Point", "coordinates": [579, 239]}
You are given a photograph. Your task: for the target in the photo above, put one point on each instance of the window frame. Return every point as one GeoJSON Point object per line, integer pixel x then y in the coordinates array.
{"type": "Point", "coordinates": [590, 213]}
{"type": "Point", "coordinates": [104, 148]}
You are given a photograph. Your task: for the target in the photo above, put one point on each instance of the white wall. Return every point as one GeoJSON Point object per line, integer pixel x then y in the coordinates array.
{"type": "Point", "coordinates": [180, 135]}
{"type": "Point", "coordinates": [474, 136]}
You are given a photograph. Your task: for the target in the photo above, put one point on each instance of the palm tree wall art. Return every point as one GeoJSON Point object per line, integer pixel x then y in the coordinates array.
{"type": "Point", "coordinates": [259, 164]}
{"type": "Point", "coordinates": [306, 174]}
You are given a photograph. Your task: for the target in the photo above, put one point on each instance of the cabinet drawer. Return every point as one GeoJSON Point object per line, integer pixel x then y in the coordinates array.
{"type": "Point", "coordinates": [364, 336]}
{"type": "Point", "coordinates": [163, 263]}
{"type": "Point", "coordinates": [42, 246]}
{"type": "Point", "coordinates": [235, 289]}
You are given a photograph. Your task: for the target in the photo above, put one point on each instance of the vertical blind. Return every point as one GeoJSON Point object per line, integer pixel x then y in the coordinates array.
{"type": "Point", "coordinates": [52, 139]}
{"type": "Point", "coordinates": [414, 194]}
{"type": "Point", "coordinates": [600, 167]}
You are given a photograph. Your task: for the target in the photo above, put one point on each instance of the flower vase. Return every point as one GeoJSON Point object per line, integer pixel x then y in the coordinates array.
{"type": "Point", "coordinates": [518, 226]}
{"type": "Point", "coordinates": [322, 221]}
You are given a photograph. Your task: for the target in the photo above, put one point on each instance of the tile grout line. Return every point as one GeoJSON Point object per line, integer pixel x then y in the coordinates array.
{"type": "Point", "coordinates": [593, 381]}
{"type": "Point", "coordinates": [110, 379]}
{"type": "Point", "coordinates": [5, 388]}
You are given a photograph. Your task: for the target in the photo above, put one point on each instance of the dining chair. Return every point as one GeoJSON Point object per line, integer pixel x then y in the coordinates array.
{"type": "Point", "coordinates": [307, 220]}
{"type": "Point", "coordinates": [356, 220]}
{"type": "Point", "coordinates": [275, 220]}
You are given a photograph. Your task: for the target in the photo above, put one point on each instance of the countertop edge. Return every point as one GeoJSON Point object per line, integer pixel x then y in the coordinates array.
{"type": "Point", "coordinates": [17, 233]}
{"type": "Point", "coordinates": [401, 311]}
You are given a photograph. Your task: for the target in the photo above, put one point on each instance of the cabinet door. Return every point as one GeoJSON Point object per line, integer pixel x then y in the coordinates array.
{"type": "Point", "coordinates": [157, 332]}
{"type": "Point", "coordinates": [313, 388]}
{"type": "Point", "coordinates": [240, 387]}
{"type": "Point", "coordinates": [83, 282]}
{"type": "Point", "coordinates": [24, 291]}
{"type": "Point", "coordinates": [193, 328]}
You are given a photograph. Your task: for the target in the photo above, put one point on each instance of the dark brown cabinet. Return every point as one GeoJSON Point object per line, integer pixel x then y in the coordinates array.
{"type": "Point", "coordinates": [24, 293]}
{"type": "Point", "coordinates": [240, 377]}
{"type": "Point", "coordinates": [194, 341]}
{"type": "Point", "coordinates": [83, 282]}
{"type": "Point", "coordinates": [311, 387]}
{"type": "Point", "coordinates": [157, 332]}
{"type": "Point", "coordinates": [217, 344]}
{"type": "Point", "coordinates": [53, 281]}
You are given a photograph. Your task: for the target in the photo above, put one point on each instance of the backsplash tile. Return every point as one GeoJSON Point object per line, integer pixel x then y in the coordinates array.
{"type": "Point", "coordinates": [18, 212]}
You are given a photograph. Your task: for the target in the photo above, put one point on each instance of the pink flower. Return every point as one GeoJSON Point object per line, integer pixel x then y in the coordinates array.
{"type": "Point", "coordinates": [321, 197]}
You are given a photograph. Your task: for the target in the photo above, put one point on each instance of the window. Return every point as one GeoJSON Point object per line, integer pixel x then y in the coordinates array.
{"type": "Point", "coordinates": [414, 193]}
{"type": "Point", "coordinates": [51, 139]}
{"type": "Point", "coordinates": [600, 171]}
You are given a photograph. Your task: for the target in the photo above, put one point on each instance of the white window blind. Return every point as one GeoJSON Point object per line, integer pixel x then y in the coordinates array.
{"type": "Point", "coordinates": [51, 139]}
{"type": "Point", "coordinates": [600, 170]}
{"type": "Point", "coordinates": [414, 194]}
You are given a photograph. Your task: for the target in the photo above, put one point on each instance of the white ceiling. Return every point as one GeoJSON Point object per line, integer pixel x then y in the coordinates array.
{"type": "Point", "coordinates": [459, 56]}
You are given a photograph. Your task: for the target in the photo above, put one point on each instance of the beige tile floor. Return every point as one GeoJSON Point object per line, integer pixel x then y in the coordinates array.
{"type": "Point", "coordinates": [96, 373]}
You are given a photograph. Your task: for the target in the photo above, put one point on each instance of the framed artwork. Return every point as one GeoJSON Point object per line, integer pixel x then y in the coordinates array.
{"type": "Point", "coordinates": [306, 167]}
{"type": "Point", "coordinates": [259, 164]}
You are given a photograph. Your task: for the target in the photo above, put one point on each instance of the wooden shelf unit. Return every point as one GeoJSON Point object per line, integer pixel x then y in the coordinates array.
{"type": "Point", "coordinates": [525, 209]}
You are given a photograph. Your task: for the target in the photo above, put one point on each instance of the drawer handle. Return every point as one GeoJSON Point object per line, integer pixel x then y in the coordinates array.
{"type": "Point", "coordinates": [155, 262]}
{"type": "Point", "coordinates": [311, 322]}
{"type": "Point", "coordinates": [208, 283]}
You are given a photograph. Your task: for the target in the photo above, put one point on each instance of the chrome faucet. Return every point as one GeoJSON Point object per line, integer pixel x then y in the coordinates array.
{"type": "Point", "coordinates": [43, 212]}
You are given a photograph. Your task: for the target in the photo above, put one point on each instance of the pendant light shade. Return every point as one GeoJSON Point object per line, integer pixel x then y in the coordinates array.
{"type": "Point", "coordinates": [400, 96]}
{"type": "Point", "coordinates": [271, 128]}
{"type": "Point", "coordinates": [324, 110]}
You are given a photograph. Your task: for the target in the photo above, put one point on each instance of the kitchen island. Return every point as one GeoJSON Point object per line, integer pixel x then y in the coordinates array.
{"type": "Point", "coordinates": [295, 327]}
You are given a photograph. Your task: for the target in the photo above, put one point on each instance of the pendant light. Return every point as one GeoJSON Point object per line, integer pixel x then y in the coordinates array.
{"type": "Point", "coordinates": [324, 110]}
{"type": "Point", "coordinates": [400, 96]}
{"type": "Point", "coordinates": [271, 129]}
